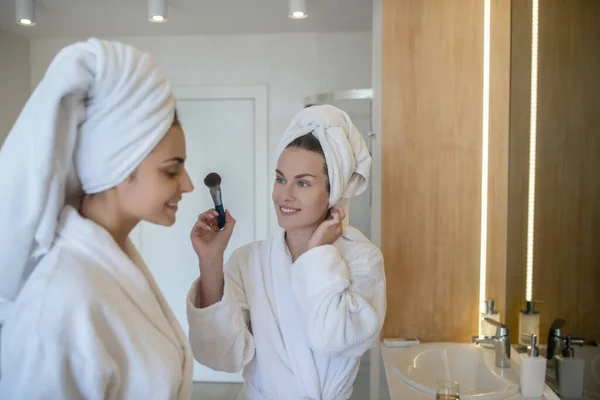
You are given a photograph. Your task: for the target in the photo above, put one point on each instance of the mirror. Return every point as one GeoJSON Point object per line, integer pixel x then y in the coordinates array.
{"type": "Point", "coordinates": [554, 226]}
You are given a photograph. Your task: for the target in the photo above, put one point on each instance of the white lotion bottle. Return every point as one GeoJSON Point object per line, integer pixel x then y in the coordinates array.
{"type": "Point", "coordinates": [532, 370]}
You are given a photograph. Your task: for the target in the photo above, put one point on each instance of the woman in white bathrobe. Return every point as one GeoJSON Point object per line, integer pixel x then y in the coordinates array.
{"type": "Point", "coordinates": [96, 149]}
{"type": "Point", "coordinates": [295, 312]}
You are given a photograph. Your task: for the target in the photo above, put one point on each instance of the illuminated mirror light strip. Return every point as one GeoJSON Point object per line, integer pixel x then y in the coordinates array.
{"type": "Point", "coordinates": [532, 148]}
{"type": "Point", "coordinates": [485, 152]}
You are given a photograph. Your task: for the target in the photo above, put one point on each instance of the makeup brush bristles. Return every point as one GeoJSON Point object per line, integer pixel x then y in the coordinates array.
{"type": "Point", "coordinates": [212, 180]}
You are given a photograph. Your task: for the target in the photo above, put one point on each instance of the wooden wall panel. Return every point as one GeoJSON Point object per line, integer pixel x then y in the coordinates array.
{"type": "Point", "coordinates": [520, 98]}
{"type": "Point", "coordinates": [567, 206]}
{"type": "Point", "coordinates": [431, 192]}
{"type": "Point", "coordinates": [431, 124]}
{"type": "Point", "coordinates": [567, 239]}
{"type": "Point", "coordinates": [500, 47]}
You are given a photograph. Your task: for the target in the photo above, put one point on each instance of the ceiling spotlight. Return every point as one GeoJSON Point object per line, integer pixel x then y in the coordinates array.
{"type": "Point", "coordinates": [157, 11]}
{"type": "Point", "coordinates": [25, 12]}
{"type": "Point", "coordinates": [298, 9]}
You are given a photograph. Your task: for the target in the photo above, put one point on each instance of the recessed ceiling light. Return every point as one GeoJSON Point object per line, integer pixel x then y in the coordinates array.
{"type": "Point", "coordinates": [157, 11]}
{"type": "Point", "coordinates": [25, 12]}
{"type": "Point", "coordinates": [298, 9]}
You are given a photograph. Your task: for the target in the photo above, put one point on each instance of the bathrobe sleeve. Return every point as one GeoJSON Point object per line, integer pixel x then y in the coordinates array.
{"type": "Point", "coordinates": [220, 335]}
{"type": "Point", "coordinates": [342, 300]}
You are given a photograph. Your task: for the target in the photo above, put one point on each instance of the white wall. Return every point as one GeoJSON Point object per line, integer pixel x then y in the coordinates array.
{"type": "Point", "coordinates": [14, 79]}
{"type": "Point", "coordinates": [292, 65]}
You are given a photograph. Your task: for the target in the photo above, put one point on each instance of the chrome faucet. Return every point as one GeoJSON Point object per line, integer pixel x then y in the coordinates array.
{"type": "Point", "coordinates": [501, 342]}
{"type": "Point", "coordinates": [555, 338]}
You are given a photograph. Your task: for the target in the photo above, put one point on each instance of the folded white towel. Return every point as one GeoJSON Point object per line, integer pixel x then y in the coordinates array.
{"type": "Point", "coordinates": [346, 154]}
{"type": "Point", "coordinates": [97, 113]}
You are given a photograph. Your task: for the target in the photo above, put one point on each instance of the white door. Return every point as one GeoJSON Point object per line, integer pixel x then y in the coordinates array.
{"type": "Point", "coordinates": [226, 132]}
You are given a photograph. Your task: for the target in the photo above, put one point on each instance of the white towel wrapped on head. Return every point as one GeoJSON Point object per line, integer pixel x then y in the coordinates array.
{"type": "Point", "coordinates": [346, 154]}
{"type": "Point", "coordinates": [98, 111]}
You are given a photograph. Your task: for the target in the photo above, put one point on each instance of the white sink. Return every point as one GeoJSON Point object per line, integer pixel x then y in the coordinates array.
{"type": "Point", "coordinates": [422, 366]}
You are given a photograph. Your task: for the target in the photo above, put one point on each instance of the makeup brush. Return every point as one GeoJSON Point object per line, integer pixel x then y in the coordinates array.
{"type": "Point", "coordinates": [213, 182]}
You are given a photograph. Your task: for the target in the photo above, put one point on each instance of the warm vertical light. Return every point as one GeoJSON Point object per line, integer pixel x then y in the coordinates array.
{"type": "Point", "coordinates": [485, 132]}
{"type": "Point", "coordinates": [532, 148]}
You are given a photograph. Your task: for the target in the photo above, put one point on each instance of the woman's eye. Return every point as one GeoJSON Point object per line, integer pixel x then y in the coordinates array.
{"type": "Point", "coordinates": [279, 180]}
{"type": "Point", "coordinates": [172, 174]}
{"type": "Point", "coordinates": [303, 184]}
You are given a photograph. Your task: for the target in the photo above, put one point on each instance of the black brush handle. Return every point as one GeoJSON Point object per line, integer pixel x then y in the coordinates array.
{"type": "Point", "coordinates": [221, 218]}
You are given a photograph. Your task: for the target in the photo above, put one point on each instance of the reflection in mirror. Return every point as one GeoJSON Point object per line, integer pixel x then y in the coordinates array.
{"type": "Point", "coordinates": [559, 113]}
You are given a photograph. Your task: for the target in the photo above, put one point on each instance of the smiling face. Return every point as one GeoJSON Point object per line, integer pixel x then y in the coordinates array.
{"type": "Point", "coordinates": [154, 189]}
{"type": "Point", "coordinates": [300, 192]}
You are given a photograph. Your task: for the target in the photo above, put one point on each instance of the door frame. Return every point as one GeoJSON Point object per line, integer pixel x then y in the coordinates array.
{"type": "Point", "coordinates": [259, 94]}
{"type": "Point", "coordinates": [379, 390]}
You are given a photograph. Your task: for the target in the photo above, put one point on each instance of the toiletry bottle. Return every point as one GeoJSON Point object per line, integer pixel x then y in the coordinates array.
{"type": "Point", "coordinates": [533, 370]}
{"type": "Point", "coordinates": [486, 328]}
{"type": "Point", "coordinates": [569, 371]}
{"type": "Point", "coordinates": [529, 322]}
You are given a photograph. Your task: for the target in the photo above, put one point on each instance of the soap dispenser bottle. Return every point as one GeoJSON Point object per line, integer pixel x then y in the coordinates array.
{"type": "Point", "coordinates": [569, 371]}
{"type": "Point", "coordinates": [532, 370]}
{"type": "Point", "coordinates": [529, 322]}
{"type": "Point", "coordinates": [486, 328]}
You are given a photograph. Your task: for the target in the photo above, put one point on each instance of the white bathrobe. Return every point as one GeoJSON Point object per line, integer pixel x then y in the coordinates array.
{"type": "Point", "coordinates": [298, 329]}
{"type": "Point", "coordinates": [90, 323]}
